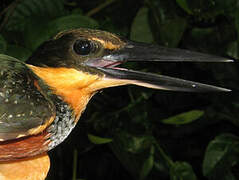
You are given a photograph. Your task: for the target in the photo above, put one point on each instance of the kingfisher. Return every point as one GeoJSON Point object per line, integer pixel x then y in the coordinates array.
{"type": "Point", "coordinates": [42, 99]}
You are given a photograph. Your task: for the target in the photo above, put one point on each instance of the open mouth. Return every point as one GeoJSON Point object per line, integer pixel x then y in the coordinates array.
{"type": "Point", "coordinates": [141, 52]}
{"type": "Point", "coordinates": [103, 63]}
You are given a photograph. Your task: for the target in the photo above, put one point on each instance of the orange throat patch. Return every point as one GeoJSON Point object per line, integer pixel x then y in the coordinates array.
{"type": "Point", "coordinates": [74, 86]}
{"type": "Point", "coordinates": [71, 85]}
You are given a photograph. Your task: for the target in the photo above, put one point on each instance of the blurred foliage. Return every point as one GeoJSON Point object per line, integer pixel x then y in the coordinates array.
{"type": "Point", "coordinates": [98, 140]}
{"type": "Point", "coordinates": [141, 133]}
{"type": "Point", "coordinates": [221, 155]}
{"type": "Point", "coordinates": [184, 118]}
{"type": "Point", "coordinates": [141, 26]}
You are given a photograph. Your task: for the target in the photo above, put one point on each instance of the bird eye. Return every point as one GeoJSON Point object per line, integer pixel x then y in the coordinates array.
{"type": "Point", "coordinates": [83, 47]}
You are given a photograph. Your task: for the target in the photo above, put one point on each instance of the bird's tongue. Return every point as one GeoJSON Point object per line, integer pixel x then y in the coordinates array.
{"type": "Point", "coordinates": [103, 63]}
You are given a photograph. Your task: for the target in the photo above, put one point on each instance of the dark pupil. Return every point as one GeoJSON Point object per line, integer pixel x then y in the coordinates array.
{"type": "Point", "coordinates": [82, 47]}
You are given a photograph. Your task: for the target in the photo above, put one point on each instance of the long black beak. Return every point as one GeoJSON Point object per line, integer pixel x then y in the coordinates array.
{"type": "Point", "coordinates": [133, 51]}
{"type": "Point", "coordinates": [136, 51]}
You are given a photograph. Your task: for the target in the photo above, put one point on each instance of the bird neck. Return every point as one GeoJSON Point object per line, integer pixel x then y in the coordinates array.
{"type": "Point", "coordinates": [71, 85]}
{"type": "Point", "coordinates": [74, 86]}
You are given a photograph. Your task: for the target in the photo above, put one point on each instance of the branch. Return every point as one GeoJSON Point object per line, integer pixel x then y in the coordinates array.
{"type": "Point", "coordinates": [100, 7]}
{"type": "Point", "coordinates": [9, 9]}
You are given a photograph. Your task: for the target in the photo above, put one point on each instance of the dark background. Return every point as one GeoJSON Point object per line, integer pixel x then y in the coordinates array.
{"type": "Point", "coordinates": [133, 132]}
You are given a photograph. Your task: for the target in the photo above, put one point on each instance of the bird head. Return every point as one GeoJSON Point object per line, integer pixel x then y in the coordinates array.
{"type": "Point", "coordinates": [95, 53]}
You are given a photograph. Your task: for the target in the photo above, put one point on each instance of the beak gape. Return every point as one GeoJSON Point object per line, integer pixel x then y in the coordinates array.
{"type": "Point", "coordinates": [141, 52]}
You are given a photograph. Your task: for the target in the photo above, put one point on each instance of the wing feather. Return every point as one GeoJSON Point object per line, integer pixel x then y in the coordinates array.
{"type": "Point", "coordinates": [24, 109]}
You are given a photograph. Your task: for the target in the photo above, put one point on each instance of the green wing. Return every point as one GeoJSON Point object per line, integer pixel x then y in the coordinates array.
{"type": "Point", "coordinates": [22, 106]}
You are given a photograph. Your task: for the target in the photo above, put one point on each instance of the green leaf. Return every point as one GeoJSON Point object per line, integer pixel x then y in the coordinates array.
{"type": "Point", "coordinates": [184, 5]}
{"type": "Point", "coordinates": [171, 31]}
{"type": "Point", "coordinates": [99, 140]}
{"type": "Point", "coordinates": [168, 27]}
{"type": "Point", "coordinates": [140, 29]}
{"type": "Point", "coordinates": [37, 35]}
{"type": "Point", "coordinates": [135, 144]}
{"type": "Point", "coordinates": [184, 118]}
{"type": "Point", "coordinates": [131, 152]}
{"type": "Point", "coordinates": [182, 171]}
{"type": "Point", "coordinates": [221, 154]}
{"type": "Point", "coordinates": [3, 44]}
{"type": "Point", "coordinates": [71, 22]}
{"type": "Point", "coordinates": [18, 52]}
{"type": "Point", "coordinates": [27, 10]}
{"type": "Point", "coordinates": [232, 49]}
{"type": "Point", "coordinates": [148, 164]}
